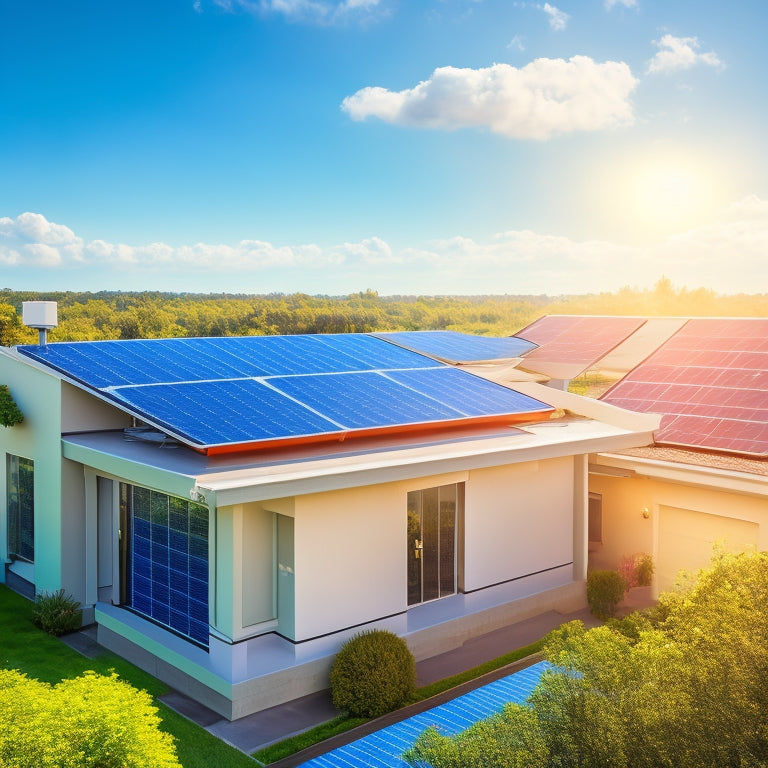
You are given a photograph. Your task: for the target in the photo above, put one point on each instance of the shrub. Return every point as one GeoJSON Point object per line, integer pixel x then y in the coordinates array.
{"type": "Point", "coordinates": [90, 721]}
{"type": "Point", "coordinates": [605, 590]}
{"type": "Point", "coordinates": [374, 673]}
{"type": "Point", "coordinates": [637, 570]}
{"type": "Point", "coordinates": [644, 569]}
{"type": "Point", "coordinates": [56, 613]}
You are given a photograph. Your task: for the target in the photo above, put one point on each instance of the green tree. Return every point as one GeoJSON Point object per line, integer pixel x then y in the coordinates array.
{"type": "Point", "coordinates": [682, 686]}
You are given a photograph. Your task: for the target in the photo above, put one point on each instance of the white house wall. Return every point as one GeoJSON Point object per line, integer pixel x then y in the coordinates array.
{"type": "Point", "coordinates": [82, 412]}
{"type": "Point", "coordinates": [518, 521]}
{"type": "Point", "coordinates": [350, 554]}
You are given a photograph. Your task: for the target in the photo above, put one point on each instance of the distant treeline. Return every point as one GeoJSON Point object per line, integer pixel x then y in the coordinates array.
{"type": "Point", "coordinates": [119, 315]}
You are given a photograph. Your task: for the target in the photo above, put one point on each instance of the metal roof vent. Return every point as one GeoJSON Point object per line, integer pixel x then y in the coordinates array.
{"type": "Point", "coordinates": [42, 315]}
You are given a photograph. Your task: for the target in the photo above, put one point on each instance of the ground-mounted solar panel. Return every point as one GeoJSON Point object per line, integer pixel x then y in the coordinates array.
{"type": "Point", "coordinates": [570, 344]}
{"type": "Point", "coordinates": [235, 393]}
{"type": "Point", "coordinates": [709, 382]}
{"type": "Point", "coordinates": [455, 347]}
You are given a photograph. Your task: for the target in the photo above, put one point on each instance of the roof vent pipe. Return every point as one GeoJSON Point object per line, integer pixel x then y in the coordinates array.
{"type": "Point", "coordinates": [42, 315]}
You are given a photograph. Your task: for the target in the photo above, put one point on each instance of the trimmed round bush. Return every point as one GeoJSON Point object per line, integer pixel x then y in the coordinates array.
{"type": "Point", "coordinates": [373, 673]}
{"type": "Point", "coordinates": [605, 590]}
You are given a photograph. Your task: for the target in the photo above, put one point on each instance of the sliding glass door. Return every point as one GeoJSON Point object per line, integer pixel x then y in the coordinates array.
{"type": "Point", "coordinates": [431, 545]}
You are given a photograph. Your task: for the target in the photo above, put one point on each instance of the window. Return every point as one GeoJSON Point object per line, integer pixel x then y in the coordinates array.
{"type": "Point", "coordinates": [164, 560]}
{"type": "Point", "coordinates": [21, 508]}
{"type": "Point", "coordinates": [432, 542]}
{"type": "Point", "coordinates": [595, 518]}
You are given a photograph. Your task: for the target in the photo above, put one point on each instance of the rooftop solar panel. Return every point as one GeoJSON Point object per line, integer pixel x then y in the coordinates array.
{"type": "Point", "coordinates": [569, 344]}
{"type": "Point", "coordinates": [153, 361]}
{"type": "Point", "coordinates": [455, 347]}
{"type": "Point", "coordinates": [710, 382]}
{"type": "Point", "coordinates": [212, 393]}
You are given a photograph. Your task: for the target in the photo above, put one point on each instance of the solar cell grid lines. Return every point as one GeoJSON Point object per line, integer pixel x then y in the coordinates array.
{"type": "Point", "coordinates": [573, 339]}
{"type": "Point", "coordinates": [455, 347]}
{"type": "Point", "coordinates": [710, 382]}
{"type": "Point", "coordinates": [233, 392]}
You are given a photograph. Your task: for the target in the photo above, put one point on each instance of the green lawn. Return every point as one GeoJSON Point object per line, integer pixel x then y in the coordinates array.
{"type": "Point", "coordinates": [40, 656]}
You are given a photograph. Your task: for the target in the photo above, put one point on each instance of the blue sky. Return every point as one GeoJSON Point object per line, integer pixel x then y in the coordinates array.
{"type": "Point", "coordinates": [434, 147]}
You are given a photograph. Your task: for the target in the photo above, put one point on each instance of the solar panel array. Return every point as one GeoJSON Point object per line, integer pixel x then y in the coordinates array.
{"type": "Point", "coordinates": [710, 382]}
{"type": "Point", "coordinates": [455, 347]}
{"type": "Point", "coordinates": [575, 341]}
{"type": "Point", "coordinates": [243, 390]}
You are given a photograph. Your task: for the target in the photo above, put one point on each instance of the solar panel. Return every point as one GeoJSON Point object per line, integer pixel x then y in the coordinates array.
{"type": "Point", "coordinates": [569, 344]}
{"type": "Point", "coordinates": [455, 347]}
{"type": "Point", "coordinates": [152, 361]}
{"type": "Point", "coordinates": [710, 382]}
{"type": "Point", "coordinates": [212, 393]}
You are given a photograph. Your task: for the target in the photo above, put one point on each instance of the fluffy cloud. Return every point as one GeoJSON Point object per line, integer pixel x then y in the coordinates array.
{"type": "Point", "coordinates": [627, 3]}
{"type": "Point", "coordinates": [727, 255]}
{"type": "Point", "coordinates": [558, 20]}
{"type": "Point", "coordinates": [542, 99]}
{"type": "Point", "coordinates": [312, 11]}
{"type": "Point", "coordinates": [680, 53]}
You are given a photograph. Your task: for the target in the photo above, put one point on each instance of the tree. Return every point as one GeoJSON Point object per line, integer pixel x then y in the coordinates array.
{"type": "Point", "coordinates": [10, 413]}
{"type": "Point", "coordinates": [683, 685]}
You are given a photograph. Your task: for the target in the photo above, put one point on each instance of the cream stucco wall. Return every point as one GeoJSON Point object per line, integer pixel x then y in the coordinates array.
{"type": "Point", "coordinates": [518, 520]}
{"type": "Point", "coordinates": [350, 545]}
{"type": "Point", "coordinates": [684, 522]}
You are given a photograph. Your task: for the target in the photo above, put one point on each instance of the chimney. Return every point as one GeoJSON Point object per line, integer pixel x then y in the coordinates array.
{"type": "Point", "coordinates": [42, 315]}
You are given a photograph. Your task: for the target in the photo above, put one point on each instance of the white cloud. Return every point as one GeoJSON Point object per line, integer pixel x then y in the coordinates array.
{"type": "Point", "coordinates": [680, 53]}
{"type": "Point", "coordinates": [517, 43]}
{"type": "Point", "coordinates": [627, 3]}
{"type": "Point", "coordinates": [542, 99]}
{"type": "Point", "coordinates": [312, 11]}
{"type": "Point", "coordinates": [558, 20]}
{"type": "Point", "coordinates": [727, 255]}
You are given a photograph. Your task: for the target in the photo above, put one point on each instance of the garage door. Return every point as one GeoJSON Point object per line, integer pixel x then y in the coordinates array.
{"type": "Point", "coordinates": [687, 538]}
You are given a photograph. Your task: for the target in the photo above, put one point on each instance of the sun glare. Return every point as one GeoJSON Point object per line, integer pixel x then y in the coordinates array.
{"type": "Point", "coordinates": [661, 192]}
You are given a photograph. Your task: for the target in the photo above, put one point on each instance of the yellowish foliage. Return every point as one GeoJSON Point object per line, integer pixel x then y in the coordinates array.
{"type": "Point", "coordinates": [91, 721]}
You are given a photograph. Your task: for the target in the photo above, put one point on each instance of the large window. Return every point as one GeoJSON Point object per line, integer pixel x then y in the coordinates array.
{"type": "Point", "coordinates": [431, 545]}
{"type": "Point", "coordinates": [21, 508]}
{"type": "Point", "coordinates": [165, 559]}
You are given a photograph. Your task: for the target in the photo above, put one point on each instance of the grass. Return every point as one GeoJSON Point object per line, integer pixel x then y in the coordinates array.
{"type": "Point", "coordinates": [341, 724]}
{"type": "Point", "coordinates": [46, 658]}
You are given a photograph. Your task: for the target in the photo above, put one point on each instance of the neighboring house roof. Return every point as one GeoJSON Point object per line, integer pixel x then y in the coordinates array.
{"type": "Point", "coordinates": [570, 344]}
{"type": "Point", "coordinates": [236, 393]}
{"type": "Point", "coordinates": [710, 383]}
{"type": "Point", "coordinates": [460, 348]}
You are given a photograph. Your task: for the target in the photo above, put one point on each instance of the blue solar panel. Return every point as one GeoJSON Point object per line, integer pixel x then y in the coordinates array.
{"type": "Point", "coordinates": [469, 394]}
{"type": "Point", "coordinates": [460, 347]}
{"type": "Point", "coordinates": [218, 412]}
{"type": "Point", "coordinates": [365, 400]}
{"type": "Point", "coordinates": [243, 390]}
{"type": "Point", "coordinates": [164, 361]}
